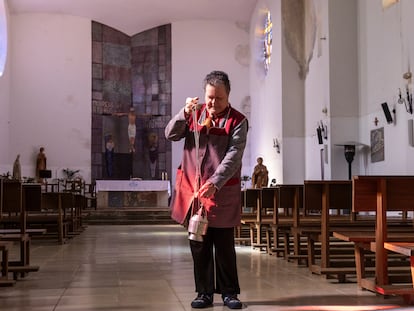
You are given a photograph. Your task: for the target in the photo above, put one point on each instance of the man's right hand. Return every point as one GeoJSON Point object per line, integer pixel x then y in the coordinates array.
{"type": "Point", "coordinates": [190, 104]}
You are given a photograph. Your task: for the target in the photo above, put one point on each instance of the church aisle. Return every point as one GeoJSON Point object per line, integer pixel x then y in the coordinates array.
{"type": "Point", "coordinates": [150, 268]}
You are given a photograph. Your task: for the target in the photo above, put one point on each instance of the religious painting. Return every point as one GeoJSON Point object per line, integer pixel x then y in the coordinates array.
{"type": "Point", "coordinates": [377, 145]}
{"type": "Point", "coordinates": [131, 103]}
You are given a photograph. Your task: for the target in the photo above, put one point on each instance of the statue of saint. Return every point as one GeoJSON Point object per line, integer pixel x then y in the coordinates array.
{"type": "Point", "coordinates": [153, 152]}
{"type": "Point", "coordinates": [109, 155]}
{"type": "Point", "coordinates": [17, 169]}
{"type": "Point", "coordinates": [260, 176]}
{"type": "Point", "coordinates": [40, 163]}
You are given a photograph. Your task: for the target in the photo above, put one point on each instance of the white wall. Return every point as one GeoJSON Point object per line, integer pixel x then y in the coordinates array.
{"type": "Point", "coordinates": [277, 101]}
{"type": "Point", "coordinates": [266, 91]}
{"type": "Point", "coordinates": [50, 92]}
{"type": "Point", "coordinates": [386, 50]}
{"type": "Point", "coordinates": [50, 84]}
{"type": "Point", "coordinates": [317, 96]}
{"type": "Point", "coordinates": [198, 47]}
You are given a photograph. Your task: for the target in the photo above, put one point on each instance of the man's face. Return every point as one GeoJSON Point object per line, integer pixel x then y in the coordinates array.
{"type": "Point", "coordinates": [216, 99]}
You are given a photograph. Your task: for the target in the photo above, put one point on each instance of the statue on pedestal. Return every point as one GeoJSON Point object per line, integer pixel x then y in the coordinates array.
{"type": "Point", "coordinates": [40, 163]}
{"type": "Point", "coordinates": [260, 176]}
{"type": "Point", "coordinates": [109, 155]}
{"type": "Point", "coordinates": [17, 169]}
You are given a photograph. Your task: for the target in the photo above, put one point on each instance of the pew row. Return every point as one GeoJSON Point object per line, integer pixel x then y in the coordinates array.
{"type": "Point", "coordinates": [14, 203]}
{"type": "Point", "coordinates": [384, 196]}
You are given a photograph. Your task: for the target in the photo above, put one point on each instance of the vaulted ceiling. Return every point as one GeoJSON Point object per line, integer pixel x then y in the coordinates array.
{"type": "Point", "coordinates": [134, 16]}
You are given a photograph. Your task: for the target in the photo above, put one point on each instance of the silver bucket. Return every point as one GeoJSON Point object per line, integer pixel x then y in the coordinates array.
{"type": "Point", "coordinates": [197, 227]}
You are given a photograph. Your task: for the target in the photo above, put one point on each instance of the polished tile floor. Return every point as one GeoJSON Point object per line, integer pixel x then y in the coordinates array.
{"type": "Point", "coordinates": [149, 268]}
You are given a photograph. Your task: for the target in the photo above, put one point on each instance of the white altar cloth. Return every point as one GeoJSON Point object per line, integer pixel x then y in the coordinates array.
{"type": "Point", "coordinates": [133, 185]}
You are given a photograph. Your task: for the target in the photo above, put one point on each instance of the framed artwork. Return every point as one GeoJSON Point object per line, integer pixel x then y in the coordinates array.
{"type": "Point", "coordinates": [377, 145]}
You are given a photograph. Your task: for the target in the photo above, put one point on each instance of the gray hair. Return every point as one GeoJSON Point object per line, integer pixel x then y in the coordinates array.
{"type": "Point", "coordinates": [215, 78]}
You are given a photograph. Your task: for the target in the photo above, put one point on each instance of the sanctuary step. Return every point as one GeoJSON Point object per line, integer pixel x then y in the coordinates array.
{"type": "Point", "coordinates": [128, 216]}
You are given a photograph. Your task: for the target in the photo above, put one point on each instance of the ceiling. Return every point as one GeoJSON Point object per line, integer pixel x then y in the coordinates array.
{"type": "Point", "coordinates": [134, 16]}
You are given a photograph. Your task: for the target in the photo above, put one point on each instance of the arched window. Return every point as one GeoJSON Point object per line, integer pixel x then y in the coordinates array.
{"type": "Point", "coordinates": [3, 36]}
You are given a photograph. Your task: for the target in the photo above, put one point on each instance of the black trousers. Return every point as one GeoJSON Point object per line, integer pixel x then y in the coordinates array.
{"type": "Point", "coordinates": [215, 269]}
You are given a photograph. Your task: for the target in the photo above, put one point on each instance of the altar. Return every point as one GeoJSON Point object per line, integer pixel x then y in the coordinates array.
{"type": "Point", "coordinates": [133, 193]}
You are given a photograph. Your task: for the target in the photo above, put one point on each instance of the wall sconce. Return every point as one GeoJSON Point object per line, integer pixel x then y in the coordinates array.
{"type": "Point", "coordinates": [407, 76]}
{"type": "Point", "coordinates": [324, 130]}
{"type": "Point", "coordinates": [376, 121]}
{"type": "Point", "coordinates": [276, 145]}
{"type": "Point", "coordinates": [409, 93]}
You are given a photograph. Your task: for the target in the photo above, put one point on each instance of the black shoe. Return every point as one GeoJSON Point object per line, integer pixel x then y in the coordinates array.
{"type": "Point", "coordinates": [232, 302]}
{"type": "Point", "coordinates": [202, 301]}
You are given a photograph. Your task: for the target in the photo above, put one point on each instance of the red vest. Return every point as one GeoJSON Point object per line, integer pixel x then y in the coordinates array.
{"type": "Point", "coordinates": [223, 210]}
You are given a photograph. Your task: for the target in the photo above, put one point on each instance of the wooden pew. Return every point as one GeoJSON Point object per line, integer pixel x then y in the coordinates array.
{"type": "Point", "coordinates": [406, 249]}
{"type": "Point", "coordinates": [275, 232]}
{"type": "Point", "coordinates": [81, 199]}
{"type": "Point", "coordinates": [59, 212]}
{"type": "Point", "coordinates": [53, 214]}
{"type": "Point", "coordinates": [252, 199]}
{"type": "Point", "coordinates": [4, 276]}
{"type": "Point", "coordinates": [242, 232]}
{"type": "Point", "coordinates": [290, 212]}
{"type": "Point", "coordinates": [4, 249]}
{"type": "Point", "coordinates": [273, 216]}
{"type": "Point", "coordinates": [13, 205]}
{"type": "Point", "coordinates": [381, 194]}
{"type": "Point", "coordinates": [331, 200]}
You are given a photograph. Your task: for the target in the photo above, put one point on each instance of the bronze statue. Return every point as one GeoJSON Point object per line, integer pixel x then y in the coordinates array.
{"type": "Point", "coordinates": [40, 163]}
{"type": "Point", "coordinates": [260, 176]}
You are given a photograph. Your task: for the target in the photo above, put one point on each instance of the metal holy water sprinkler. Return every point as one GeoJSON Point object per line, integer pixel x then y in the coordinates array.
{"type": "Point", "coordinates": [197, 227]}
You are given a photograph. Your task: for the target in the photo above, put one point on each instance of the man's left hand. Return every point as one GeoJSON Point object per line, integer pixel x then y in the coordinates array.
{"type": "Point", "coordinates": [207, 190]}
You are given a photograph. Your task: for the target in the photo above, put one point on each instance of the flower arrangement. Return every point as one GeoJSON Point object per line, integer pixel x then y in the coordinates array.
{"type": "Point", "coordinates": [70, 174]}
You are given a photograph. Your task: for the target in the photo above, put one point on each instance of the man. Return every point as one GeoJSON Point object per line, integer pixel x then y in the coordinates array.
{"type": "Point", "coordinates": [222, 132]}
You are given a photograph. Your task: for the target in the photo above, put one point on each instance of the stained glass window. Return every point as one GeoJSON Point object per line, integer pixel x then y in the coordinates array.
{"type": "Point", "coordinates": [267, 42]}
{"type": "Point", "coordinates": [3, 36]}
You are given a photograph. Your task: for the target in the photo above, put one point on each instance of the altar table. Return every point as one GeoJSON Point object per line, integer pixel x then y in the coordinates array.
{"type": "Point", "coordinates": [132, 193]}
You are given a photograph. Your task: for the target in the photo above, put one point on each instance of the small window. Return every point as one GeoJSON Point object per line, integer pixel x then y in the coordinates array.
{"type": "Point", "coordinates": [3, 36]}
